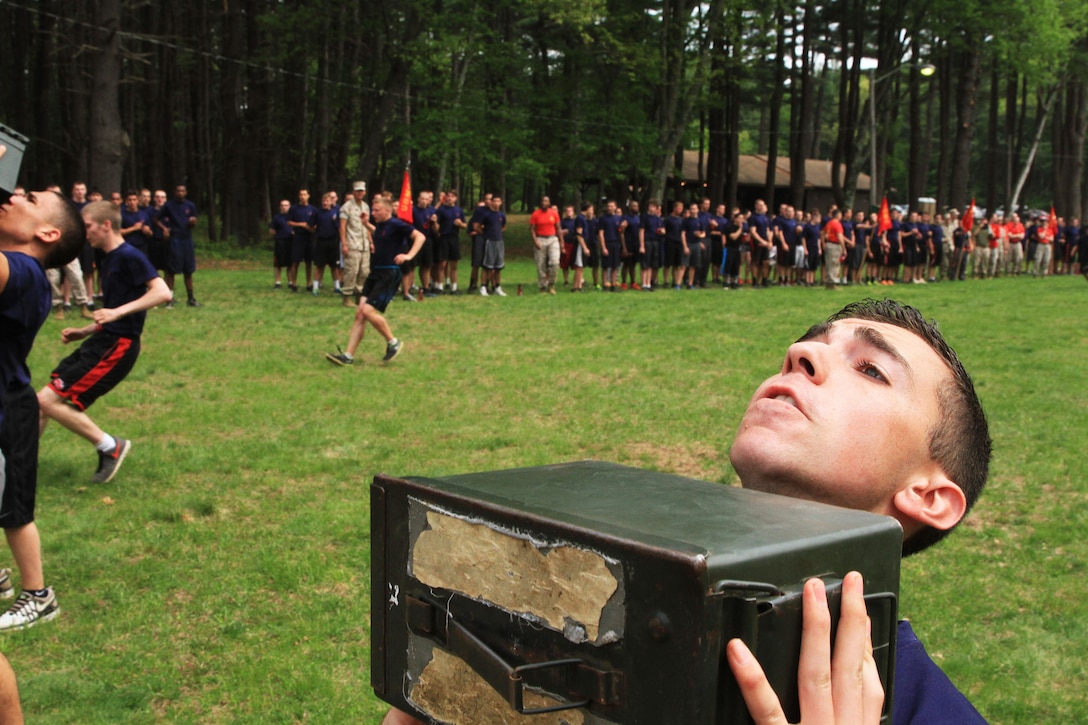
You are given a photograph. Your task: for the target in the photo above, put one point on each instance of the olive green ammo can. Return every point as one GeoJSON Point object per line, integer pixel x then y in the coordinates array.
{"type": "Point", "coordinates": [595, 593]}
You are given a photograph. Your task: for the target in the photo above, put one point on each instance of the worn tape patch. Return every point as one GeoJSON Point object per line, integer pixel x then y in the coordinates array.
{"type": "Point", "coordinates": [562, 586]}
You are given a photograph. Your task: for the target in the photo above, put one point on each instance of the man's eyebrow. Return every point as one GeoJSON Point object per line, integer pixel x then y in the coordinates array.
{"type": "Point", "coordinates": [870, 336]}
{"type": "Point", "coordinates": [876, 339]}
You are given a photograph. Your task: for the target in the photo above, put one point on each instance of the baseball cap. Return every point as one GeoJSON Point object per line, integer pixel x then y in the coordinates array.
{"type": "Point", "coordinates": [359, 186]}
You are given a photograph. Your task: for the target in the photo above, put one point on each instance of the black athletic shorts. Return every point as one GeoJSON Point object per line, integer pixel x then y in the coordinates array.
{"type": "Point", "coordinates": [281, 253]}
{"type": "Point", "coordinates": [381, 286]}
{"type": "Point", "coordinates": [674, 255]}
{"type": "Point", "coordinates": [19, 457]}
{"type": "Point", "coordinates": [651, 258]}
{"type": "Point", "coordinates": [327, 252]}
{"type": "Point", "coordinates": [449, 248]}
{"type": "Point", "coordinates": [302, 250]}
{"type": "Point", "coordinates": [478, 250]}
{"type": "Point", "coordinates": [94, 368]}
{"type": "Point", "coordinates": [760, 254]}
{"type": "Point", "coordinates": [426, 253]}
{"type": "Point", "coordinates": [614, 260]}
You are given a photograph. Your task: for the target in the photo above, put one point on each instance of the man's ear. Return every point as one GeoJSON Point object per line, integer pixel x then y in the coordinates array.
{"type": "Point", "coordinates": [932, 499]}
{"type": "Point", "coordinates": [47, 234]}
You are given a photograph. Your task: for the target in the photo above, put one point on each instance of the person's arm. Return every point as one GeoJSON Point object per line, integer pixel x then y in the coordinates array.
{"type": "Point", "coordinates": [157, 293]}
{"type": "Point", "coordinates": [344, 233]}
{"type": "Point", "coordinates": [129, 230]}
{"type": "Point", "coordinates": [5, 268]}
{"type": "Point", "coordinates": [417, 242]}
{"type": "Point", "coordinates": [840, 686]}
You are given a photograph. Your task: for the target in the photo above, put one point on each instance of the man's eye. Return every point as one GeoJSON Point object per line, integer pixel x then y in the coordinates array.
{"type": "Point", "coordinates": [868, 368]}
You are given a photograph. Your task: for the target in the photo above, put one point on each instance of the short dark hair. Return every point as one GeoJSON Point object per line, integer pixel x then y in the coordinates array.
{"type": "Point", "coordinates": [960, 441]}
{"type": "Point", "coordinates": [73, 235]}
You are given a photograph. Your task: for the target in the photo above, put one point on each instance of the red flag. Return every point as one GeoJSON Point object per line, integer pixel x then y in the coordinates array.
{"type": "Point", "coordinates": [969, 218]}
{"type": "Point", "coordinates": [404, 206]}
{"type": "Point", "coordinates": [884, 218]}
{"type": "Point", "coordinates": [1053, 223]}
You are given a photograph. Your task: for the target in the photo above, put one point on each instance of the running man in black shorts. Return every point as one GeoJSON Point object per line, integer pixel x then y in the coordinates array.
{"type": "Point", "coordinates": [393, 242]}
{"type": "Point", "coordinates": [130, 287]}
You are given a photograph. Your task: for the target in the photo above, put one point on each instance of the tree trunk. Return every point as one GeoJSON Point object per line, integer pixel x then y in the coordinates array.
{"type": "Point", "coordinates": [108, 140]}
{"type": "Point", "coordinates": [966, 111]}
{"type": "Point", "coordinates": [802, 122]}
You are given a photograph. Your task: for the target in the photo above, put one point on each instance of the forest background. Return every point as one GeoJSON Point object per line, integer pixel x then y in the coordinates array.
{"type": "Point", "coordinates": [248, 100]}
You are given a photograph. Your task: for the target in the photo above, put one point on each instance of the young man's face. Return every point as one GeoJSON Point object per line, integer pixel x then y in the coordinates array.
{"type": "Point", "coordinates": [145, 197]}
{"type": "Point", "coordinates": [79, 193]}
{"type": "Point", "coordinates": [115, 199]}
{"type": "Point", "coordinates": [496, 203]}
{"type": "Point", "coordinates": [303, 197]}
{"type": "Point", "coordinates": [132, 202]}
{"type": "Point", "coordinates": [847, 419]}
{"type": "Point", "coordinates": [180, 192]}
{"type": "Point", "coordinates": [382, 212]}
{"type": "Point", "coordinates": [160, 198]}
{"type": "Point", "coordinates": [28, 216]}
{"type": "Point", "coordinates": [285, 206]}
{"type": "Point", "coordinates": [97, 233]}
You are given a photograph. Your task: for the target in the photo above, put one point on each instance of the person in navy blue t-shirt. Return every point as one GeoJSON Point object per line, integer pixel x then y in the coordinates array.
{"type": "Point", "coordinates": [394, 243]}
{"type": "Point", "coordinates": [178, 217]}
{"type": "Point", "coordinates": [281, 241]}
{"type": "Point", "coordinates": [919, 455]}
{"type": "Point", "coordinates": [134, 225]}
{"type": "Point", "coordinates": [130, 287]}
{"type": "Point", "coordinates": [327, 244]}
{"type": "Point", "coordinates": [300, 217]}
{"type": "Point", "coordinates": [37, 230]}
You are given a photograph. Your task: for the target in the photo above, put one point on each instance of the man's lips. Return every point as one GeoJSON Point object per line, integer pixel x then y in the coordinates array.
{"type": "Point", "coordinates": [784, 395]}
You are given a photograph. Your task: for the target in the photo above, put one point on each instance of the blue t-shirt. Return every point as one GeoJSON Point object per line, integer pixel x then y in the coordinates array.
{"type": "Point", "coordinates": [674, 229]}
{"type": "Point", "coordinates": [128, 219]}
{"type": "Point", "coordinates": [447, 215]}
{"type": "Point", "coordinates": [936, 233]}
{"type": "Point", "coordinates": [175, 215]}
{"type": "Point", "coordinates": [758, 224]}
{"type": "Point", "coordinates": [630, 233]}
{"type": "Point", "coordinates": [24, 306]}
{"type": "Point", "coordinates": [492, 223]}
{"type": "Point", "coordinates": [923, 693]}
{"type": "Point", "coordinates": [892, 235]}
{"type": "Point", "coordinates": [390, 238]}
{"type": "Point", "coordinates": [153, 215]}
{"type": "Point", "coordinates": [650, 224]}
{"type": "Point", "coordinates": [568, 230]}
{"type": "Point", "coordinates": [281, 231]}
{"type": "Point", "coordinates": [125, 273]}
{"type": "Point", "coordinates": [691, 225]}
{"type": "Point", "coordinates": [306, 214]}
{"type": "Point", "coordinates": [811, 233]}
{"type": "Point", "coordinates": [328, 223]}
{"type": "Point", "coordinates": [609, 224]}
{"type": "Point", "coordinates": [421, 217]}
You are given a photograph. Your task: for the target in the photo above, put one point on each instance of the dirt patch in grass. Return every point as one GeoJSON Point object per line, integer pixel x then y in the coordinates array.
{"type": "Point", "coordinates": [697, 460]}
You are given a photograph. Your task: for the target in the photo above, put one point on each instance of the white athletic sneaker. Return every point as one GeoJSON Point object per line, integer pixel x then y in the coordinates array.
{"type": "Point", "coordinates": [28, 610]}
{"type": "Point", "coordinates": [499, 292]}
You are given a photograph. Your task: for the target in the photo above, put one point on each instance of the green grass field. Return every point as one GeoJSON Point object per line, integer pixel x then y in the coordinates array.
{"type": "Point", "coordinates": [223, 576]}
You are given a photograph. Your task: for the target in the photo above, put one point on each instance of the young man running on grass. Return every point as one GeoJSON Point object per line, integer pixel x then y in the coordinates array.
{"type": "Point", "coordinates": [392, 243]}
{"type": "Point", "coordinates": [130, 287]}
{"type": "Point", "coordinates": [37, 230]}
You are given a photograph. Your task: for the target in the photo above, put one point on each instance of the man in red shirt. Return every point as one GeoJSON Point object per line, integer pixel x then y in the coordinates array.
{"type": "Point", "coordinates": [833, 248]}
{"type": "Point", "coordinates": [544, 226]}
{"type": "Point", "coordinates": [1014, 237]}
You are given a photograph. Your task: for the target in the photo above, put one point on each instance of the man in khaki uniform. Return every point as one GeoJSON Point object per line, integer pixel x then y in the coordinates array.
{"type": "Point", "coordinates": [355, 243]}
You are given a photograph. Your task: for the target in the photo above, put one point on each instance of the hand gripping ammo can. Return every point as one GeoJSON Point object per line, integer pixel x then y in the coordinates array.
{"type": "Point", "coordinates": [591, 593]}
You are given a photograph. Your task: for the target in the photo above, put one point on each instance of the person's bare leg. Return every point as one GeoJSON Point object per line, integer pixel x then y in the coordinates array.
{"type": "Point", "coordinates": [53, 406]}
{"type": "Point", "coordinates": [11, 710]}
{"type": "Point", "coordinates": [26, 550]}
